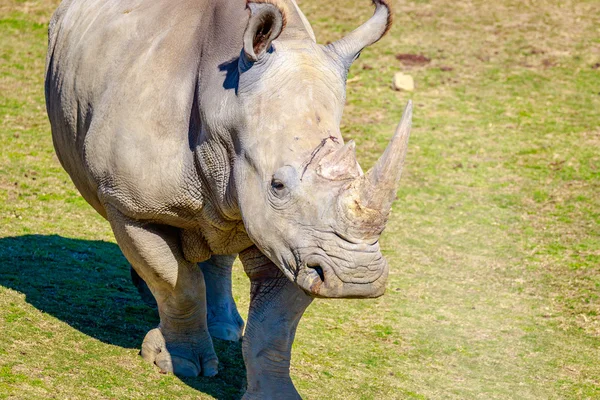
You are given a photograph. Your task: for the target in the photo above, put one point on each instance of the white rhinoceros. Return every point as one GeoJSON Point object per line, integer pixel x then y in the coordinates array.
{"type": "Point", "coordinates": [202, 129]}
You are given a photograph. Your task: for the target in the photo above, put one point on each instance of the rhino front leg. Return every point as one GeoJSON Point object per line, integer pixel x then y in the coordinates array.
{"type": "Point", "coordinates": [181, 343]}
{"type": "Point", "coordinates": [276, 306]}
{"type": "Point", "coordinates": [224, 320]}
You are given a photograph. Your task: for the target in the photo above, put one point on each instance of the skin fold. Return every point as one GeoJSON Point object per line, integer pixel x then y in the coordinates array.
{"type": "Point", "coordinates": [204, 129]}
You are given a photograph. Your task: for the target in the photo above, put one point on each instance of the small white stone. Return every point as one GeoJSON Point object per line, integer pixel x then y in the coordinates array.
{"type": "Point", "coordinates": [403, 82]}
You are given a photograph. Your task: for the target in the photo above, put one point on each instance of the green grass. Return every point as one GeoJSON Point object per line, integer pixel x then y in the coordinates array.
{"type": "Point", "coordinates": [494, 242]}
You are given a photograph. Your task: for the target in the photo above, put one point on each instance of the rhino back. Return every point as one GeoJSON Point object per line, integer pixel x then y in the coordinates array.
{"type": "Point", "coordinates": [122, 80]}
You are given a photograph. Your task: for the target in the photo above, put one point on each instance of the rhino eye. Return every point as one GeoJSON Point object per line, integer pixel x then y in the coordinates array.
{"type": "Point", "coordinates": [283, 181]}
{"type": "Point", "coordinates": [277, 185]}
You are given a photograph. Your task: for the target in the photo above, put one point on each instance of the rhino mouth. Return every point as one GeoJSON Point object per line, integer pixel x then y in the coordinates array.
{"type": "Point", "coordinates": [319, 271]}
{"type": "Point", "coordinates": [318, 277]}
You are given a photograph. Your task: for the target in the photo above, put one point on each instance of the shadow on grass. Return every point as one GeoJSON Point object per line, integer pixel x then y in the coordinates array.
{"type": "Point", "coordinates": [87, 285]}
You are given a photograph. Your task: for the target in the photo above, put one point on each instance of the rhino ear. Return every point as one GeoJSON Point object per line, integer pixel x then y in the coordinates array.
{"type": "Point", "coordinates": [266, 22]}
{"type": "Point", "coordinates": [349, 48]}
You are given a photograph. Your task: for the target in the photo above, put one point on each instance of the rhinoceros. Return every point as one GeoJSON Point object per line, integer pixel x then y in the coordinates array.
{"type": "Point", "coordinates": [206, 129]}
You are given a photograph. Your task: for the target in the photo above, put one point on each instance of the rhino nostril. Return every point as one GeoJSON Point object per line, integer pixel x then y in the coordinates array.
{"type": "Point", "coordinates": [319, 271]}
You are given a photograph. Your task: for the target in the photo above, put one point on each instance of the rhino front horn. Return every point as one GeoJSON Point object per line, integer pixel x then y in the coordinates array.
{"type": "Point", "coordinates": [379, 186]}
{"type": "Point", "coordinates": [368, 200]}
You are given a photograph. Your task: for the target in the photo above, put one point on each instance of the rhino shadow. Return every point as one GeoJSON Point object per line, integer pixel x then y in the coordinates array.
{"type": "Point", "coordinates": [87, 285]}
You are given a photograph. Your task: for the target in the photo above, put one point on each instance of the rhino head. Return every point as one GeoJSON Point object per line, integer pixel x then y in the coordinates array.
{"type": "Point", "coordinates": [304, 200]}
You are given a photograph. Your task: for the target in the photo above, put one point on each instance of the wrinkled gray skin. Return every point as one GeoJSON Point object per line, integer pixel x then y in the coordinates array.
{"type": "Point", "coordinates": [202, 129]}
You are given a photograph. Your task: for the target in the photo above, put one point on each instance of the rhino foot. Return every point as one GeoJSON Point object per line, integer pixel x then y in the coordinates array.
{"type": "Point", "coordinates": [224, 322]}
{"type": "Point", "coordinates": [189, 358]}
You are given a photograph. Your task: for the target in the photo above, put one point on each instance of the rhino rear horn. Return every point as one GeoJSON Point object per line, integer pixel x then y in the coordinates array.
{"type": "Point", "coordinates": [340, 164]}
{"type": "Point", "coordinates": [266, 22]}
{"type": "Point", "coordinates": [365, 35]}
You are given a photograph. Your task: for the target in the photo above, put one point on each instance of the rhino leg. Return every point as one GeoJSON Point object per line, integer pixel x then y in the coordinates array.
{"type": "Point", "coordinates": [224, 321]}
{"type": "Point", "coordinates": [143, 289]}
{"type": "Point", "coordinates": [181, 343]}
{"type": "Point", "coordinates": [276, 306]}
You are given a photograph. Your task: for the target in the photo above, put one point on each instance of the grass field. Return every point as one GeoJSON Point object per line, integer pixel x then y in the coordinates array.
{"type": "Point", "coordinates": [494, 242]}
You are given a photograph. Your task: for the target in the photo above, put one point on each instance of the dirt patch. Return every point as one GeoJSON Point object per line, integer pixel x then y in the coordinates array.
{"type": "Point", "coordinates": [413, 59]}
